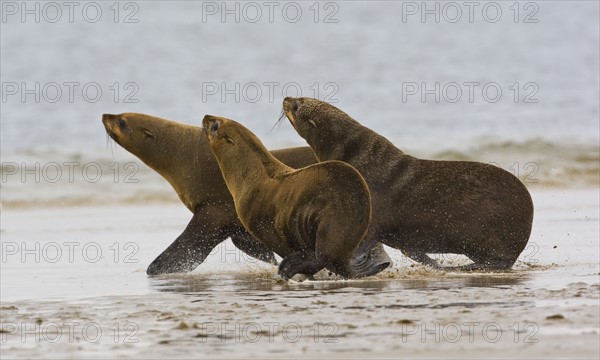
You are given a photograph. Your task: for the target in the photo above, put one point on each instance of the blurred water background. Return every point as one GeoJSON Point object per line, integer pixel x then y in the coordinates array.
{"type": "Point", "coordinates": [516, 83]}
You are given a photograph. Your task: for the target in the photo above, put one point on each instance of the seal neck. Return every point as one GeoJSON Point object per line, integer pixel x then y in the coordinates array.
{"type": "Point", "coordinates": [183, 156]}
{"type": "Point", "coordinates": [249, 166]}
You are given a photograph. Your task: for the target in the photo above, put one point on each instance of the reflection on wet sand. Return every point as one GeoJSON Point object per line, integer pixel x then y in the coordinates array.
{"type": "Point", "coordinates": [241, 282]}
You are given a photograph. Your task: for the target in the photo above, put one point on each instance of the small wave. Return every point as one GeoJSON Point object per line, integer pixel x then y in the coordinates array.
{"type": "Point", "coordinates": [537, 162]}
{"type": "Point", "coordinates": [48, 179]}
{"type": "Point", "coordinates": [33, 180]}
{"type": "Point", "coordinates": [92, 200]}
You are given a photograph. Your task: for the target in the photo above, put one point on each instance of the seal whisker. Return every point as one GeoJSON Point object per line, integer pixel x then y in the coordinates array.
{"type": "Point", "coordinates": [280, 120]}
{"type": "Point", "coordinates": [110, 144]}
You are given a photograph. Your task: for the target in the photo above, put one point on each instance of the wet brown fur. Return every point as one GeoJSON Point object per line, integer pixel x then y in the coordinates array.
{"type": "Point", "coordinates": [423, 206]}
{"type": "Point", "coordinates": [313, 217]}
{"type": "Point", "coordinates": [181, 154]}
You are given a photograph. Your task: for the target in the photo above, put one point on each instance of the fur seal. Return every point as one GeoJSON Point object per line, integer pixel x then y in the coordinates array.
{"type": "Point", "coordinates": [423, 206]}
{"type": "Point", "coordinates": [181, 154]}
{"type": "Point", "coordinates": [313, 217]}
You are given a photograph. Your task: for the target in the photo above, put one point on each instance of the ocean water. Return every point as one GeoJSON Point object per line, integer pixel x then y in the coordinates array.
{"type": "Point", "coordinates": [510, 84]}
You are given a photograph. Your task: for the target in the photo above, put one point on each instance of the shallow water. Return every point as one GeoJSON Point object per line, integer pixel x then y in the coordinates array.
{"type": "Point", "coordinates": [232, 306]}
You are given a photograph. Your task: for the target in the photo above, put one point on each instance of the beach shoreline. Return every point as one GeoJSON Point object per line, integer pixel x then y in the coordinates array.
{"type": "Point", "coordinates": [231, 306]}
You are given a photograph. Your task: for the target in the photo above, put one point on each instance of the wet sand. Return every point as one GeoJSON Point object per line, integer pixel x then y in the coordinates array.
{"type": "Point", "coordinates": [89, 307]}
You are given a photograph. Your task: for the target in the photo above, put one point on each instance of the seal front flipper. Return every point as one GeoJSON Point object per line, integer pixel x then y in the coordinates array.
{"type": "Point", "coordinates": [299, 262]}
{"type": "Point", "coordinates": [189, 249]}
{"type": "Point", "coordinates": [246, 243]}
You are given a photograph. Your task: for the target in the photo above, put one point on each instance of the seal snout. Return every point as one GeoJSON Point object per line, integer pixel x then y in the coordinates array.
{"type": "Point", "coordinates": [107, 119]}
{"type": "Point", "coordinates": [110, 123]}
{"type": "Point", "coordinates": [290, 104]}
{"type": "Point", "coordinates": [290, 107]}
{"type": "Point", "coordinates": [110, 120]}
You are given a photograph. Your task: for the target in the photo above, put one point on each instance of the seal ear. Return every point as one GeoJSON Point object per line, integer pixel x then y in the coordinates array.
{"type": "Point", "coordinates": [147, 133]}
{"type": "Point", "coordinates": [229, 139]}
{"type": "Point", "coordinates": [312, 123]}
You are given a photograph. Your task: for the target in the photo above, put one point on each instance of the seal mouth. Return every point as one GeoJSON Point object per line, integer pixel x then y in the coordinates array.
{"type": "Point", "coordinates": [107, 121]}
{"type": "Point", "coordinates": [290, 107]}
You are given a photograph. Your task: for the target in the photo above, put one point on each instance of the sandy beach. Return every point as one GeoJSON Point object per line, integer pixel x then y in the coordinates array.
{"type": "Point", "coordinates": [66, 301]}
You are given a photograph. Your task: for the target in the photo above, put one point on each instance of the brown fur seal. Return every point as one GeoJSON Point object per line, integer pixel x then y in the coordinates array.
{"type": "Point", "coordinates": [181, 154]}
{"type": "Point", "coordinates": [313, 217]}
{"type": "Point", "coordinates": [423, 206]}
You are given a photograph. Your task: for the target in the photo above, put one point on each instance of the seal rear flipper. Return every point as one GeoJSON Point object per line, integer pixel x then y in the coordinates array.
{"type": "Point", "coordinates": [246, 243]}
{"type": "Point", "coordinates": [370, 262]}
{"type": "Point", "coordinates": [189, 250]}
{"type": "Point", "coordinates": [299, 263]}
